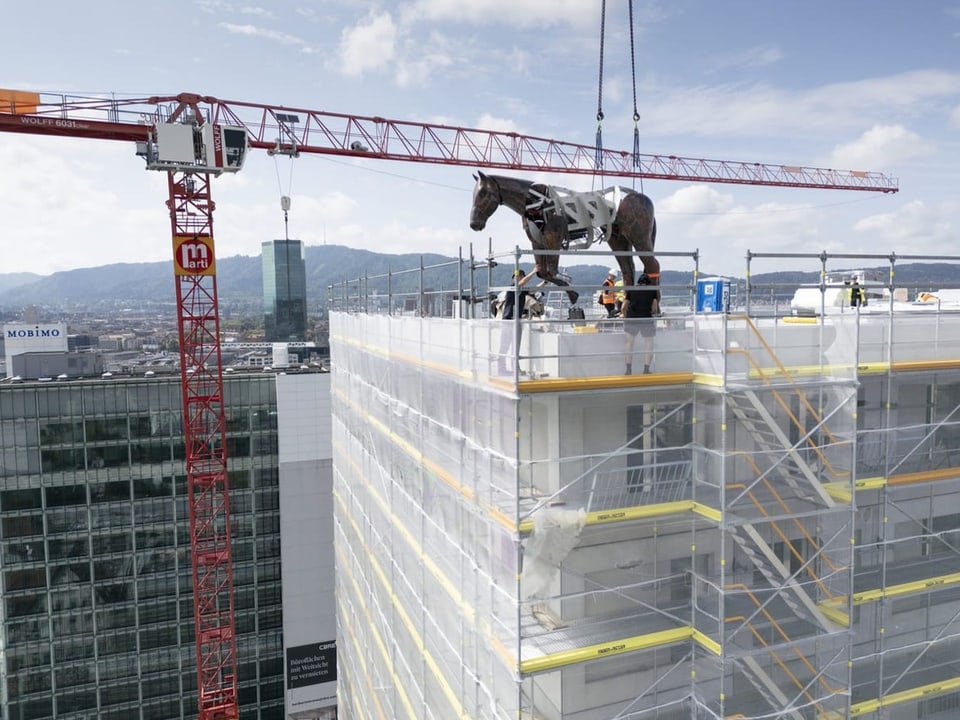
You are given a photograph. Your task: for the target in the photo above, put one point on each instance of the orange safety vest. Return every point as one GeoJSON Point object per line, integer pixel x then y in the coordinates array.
{"type": "Point", "coordinates": [609, 296]}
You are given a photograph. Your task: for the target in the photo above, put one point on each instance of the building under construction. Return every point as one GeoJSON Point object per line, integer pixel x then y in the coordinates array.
{"type": "Point", "coordinates": [766, 526]}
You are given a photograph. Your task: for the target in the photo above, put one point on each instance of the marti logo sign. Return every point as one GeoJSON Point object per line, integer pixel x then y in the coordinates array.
{"type": "Point", "coordinates": [193, 255]}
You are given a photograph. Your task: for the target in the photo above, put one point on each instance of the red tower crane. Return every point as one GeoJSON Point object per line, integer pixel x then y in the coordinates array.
{"type": "Point", "coordinates": [193, 138]}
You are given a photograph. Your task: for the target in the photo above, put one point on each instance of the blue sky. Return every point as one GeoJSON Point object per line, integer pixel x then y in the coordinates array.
{"type": "Point", "coordinates": [849, 85]}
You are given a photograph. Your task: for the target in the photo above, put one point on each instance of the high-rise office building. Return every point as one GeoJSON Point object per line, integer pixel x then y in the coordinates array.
{"type": "Point", "coordinates": [284, 290]}
{"type": "Point", "coordinates": [97, 605]}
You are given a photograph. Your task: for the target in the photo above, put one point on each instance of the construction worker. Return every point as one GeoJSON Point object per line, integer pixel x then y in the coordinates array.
{"type": "Point", "coordinates": [608, 295]}
{"type": "Point", "coordinates": [857, 295]}
{"type": "Point", "coordinates": [640, 318]}
{"type": "Point", "coordinates": [515, 304]}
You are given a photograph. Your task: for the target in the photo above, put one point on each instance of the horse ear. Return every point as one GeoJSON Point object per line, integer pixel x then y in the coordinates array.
{"type": "Point", "coordinates": [482, 176]}
{"type": "Point", "coordinates": [476, 178]}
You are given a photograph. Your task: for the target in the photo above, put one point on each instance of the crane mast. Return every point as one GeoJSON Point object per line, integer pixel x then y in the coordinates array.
{"type": "Point", "coordinates": [191, 150]}
{"type": "Point", "coordinates": [201, 381]}
{"type": "Point", "coordinates": [194, 138]}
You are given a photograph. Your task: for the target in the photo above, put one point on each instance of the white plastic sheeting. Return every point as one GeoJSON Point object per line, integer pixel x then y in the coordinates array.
{"type": "Point", "coordinates": [713, 516]}
{"type": "Point", "coordinates": [555, 533]}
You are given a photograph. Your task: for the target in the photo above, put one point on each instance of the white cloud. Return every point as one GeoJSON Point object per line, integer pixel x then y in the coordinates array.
{"type": "Point", "coordinates": [699, 216]}
{"type": "Point", "coordinates": [757, 56]}
{"type": "Point", "coordinates": [212, 7]}
{"type": "Point", "coordinates": [882, 146]}
{"type": "Point", "coordinates": [695, 200]}
{"type": "Point", "coordinates": [955, 117]}
{"type": "Point", "coordinates": [256, 11]}
{"type": "Point", "coordinates": [370, 45]}
{"type": "Point", "coordinates": [490, 122]}
{"type": "Point", "coordinates": [419, 71]}
{"type": "Point", "coordinates": [266, 34]}
{"type": "Point", "coordinates": [613, 89]}
{"type": "Point", "coordinates": [772, 223]}
{"type": "Point", "coordinates": [243, 225]}
{"type": "Point", "coordinates": [70, 211]}
{"type": "Point", "coordinates": [518, 60]}
{"type": "Point", "coordinates": [916, 227]}
{"type": "Point", "coordinates": [522, 13]}
{"type": "Point", "coordinates": [766, 111]}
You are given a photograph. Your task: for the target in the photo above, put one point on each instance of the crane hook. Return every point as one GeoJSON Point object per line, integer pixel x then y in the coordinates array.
{"type": "Point", "coordinates": [285, 206]}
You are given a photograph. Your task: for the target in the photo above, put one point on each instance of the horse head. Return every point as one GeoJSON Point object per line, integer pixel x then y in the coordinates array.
{"type": "Point", "coordinates": [486, 199]}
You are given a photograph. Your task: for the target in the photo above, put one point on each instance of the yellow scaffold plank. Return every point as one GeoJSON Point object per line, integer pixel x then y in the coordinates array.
{"type": "Point", "coordinates": [707, 642]}
{"type": "Point", "coordinates": [841, 490]}
{"type": "Point", "coordinates": [707, 511]}
{"type": "Point", "coordinates": [603, 650]}
{"type": "Point", "coordinates": [705, 379]}
{"type": "Point", "coordinates": [601, 382]}
{"type": "Point", "coordinates": [892, 591]}
{"type": "Point", "coordinates": [871, 483]}
{"type": "Point", "coordinates": [625, 514]}
{"type": "Point", "coordinates": [923, 691]}
{"type": "Point", "coordinates": [873, 368]}
{"type": "Point", "coordinates": [916, 586]}
{"type": "Point", "coordinates": [835, 615]}
{"type": "Point", "coordinates": [795, 371]}
{"type": "Point", "coordinates": [867, 368]}
{"type": "Point", "coordinates": [640, 512]}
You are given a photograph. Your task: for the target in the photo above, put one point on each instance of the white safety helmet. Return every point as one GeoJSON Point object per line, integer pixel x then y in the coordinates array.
{"type": "Point", "coordinates": [613, 272]}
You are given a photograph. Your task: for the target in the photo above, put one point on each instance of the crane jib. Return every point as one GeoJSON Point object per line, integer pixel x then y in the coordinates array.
{"type": "Point", "coordinates": [318, 132]}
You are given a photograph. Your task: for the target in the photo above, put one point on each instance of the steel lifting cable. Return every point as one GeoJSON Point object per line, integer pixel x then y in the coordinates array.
{"type": "Point", "coordinates": [598, 160]}
{"type": "Point", "coordinates": [285, 199]}
{"type": "Point", "coordinates": [636, 115]}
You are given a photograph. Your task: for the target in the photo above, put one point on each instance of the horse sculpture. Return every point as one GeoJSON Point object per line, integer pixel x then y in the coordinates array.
{"type": "Point", "coordinates": [555, 218]}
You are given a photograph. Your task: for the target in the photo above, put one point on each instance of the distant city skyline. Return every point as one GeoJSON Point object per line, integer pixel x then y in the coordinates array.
{"type": "Point", "coordinates": [851, 86]}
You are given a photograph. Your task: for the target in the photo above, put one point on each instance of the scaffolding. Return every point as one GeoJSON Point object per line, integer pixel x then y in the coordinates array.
{"type": "Point", "coordinates": [765, 526]}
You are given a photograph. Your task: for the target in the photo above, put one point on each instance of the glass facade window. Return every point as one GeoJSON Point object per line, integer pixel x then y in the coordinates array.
{"type": "Point", "coordinates": [97, 611]}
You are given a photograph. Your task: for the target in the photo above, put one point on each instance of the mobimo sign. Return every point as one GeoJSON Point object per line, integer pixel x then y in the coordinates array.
{"type": "Point", "coordinates": [18, 338]}
{"type": "Point", "coordinates": [33, 333]}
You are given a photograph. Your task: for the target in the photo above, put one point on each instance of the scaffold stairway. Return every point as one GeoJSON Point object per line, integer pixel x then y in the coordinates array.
{"type": "Point", "coordinates": [766, 686]}
{"type": "Point", "coordinates": [777, 574]}
{"type": "Point", "coordinates": [756, 419]}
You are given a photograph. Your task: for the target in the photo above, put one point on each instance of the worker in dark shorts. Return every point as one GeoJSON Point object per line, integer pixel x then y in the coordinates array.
{"type": "Point", "coordinates": [640, 313]}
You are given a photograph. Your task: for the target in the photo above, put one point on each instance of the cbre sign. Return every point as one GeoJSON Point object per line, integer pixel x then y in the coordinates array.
{"type": "Point", "coordinates": [193, 255]}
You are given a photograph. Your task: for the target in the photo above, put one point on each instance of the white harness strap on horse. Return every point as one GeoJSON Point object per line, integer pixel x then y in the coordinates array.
{"type": "Point", "coordinates": [589, 214]}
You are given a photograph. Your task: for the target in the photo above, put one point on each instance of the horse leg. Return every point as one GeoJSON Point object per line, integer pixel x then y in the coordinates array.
{"type": "Point", "coordinates": [619, 244]}
{"type": "Point", "coordinates": [554, 234]}
{"type": "Point", "coordinates": [572, 294]}
{"type": "Point", "coordinates": [635, 228]}
{"type": "Point", "coordinates": [651, 266]}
